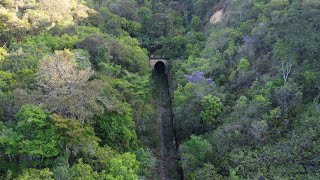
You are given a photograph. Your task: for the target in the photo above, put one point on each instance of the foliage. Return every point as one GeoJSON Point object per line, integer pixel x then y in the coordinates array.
{"type": "Point", "coordinates": [6, 81]}
{"type": "Point", "coordinates": [212, 107]}
{"type": "Point", "coordinates": [53, 42]}
{"type": "Point", "coordinates": [262, 63]}
{"type": "Point", "coordinates": [3, 53]}
{"type": "Point", "coordinates": [207, 172]}
{"type": "Point", "coordinates": [188, 108]}
{"type": "Point", "coordinates": [147, 161]}
{"type": "Point", "coordinates": [36, 174]}
{"type": "Point", "coordinates": [124, 166]}
{"type": "Point", "coordinates": [69, 75]}
{"type": "Point", "coordinates": [117, 130]}
{"type": "Point", "coordinates": [193, 154]}
{"type": "Point", "coordinates": [74, 136]}
{"type": "Point", "coordinates": [82, 171]}
{"type": "Point", "coordinates": [31, 132]}
{"type": "Point", "coordinates": [76, 90]}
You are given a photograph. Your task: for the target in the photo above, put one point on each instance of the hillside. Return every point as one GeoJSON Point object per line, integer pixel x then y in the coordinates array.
{"type": "Point", "coordinates": [78, 99]}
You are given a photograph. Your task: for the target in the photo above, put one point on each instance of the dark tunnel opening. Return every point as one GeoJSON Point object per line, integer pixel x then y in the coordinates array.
{"type": "Point", "coordinates": [160, 67]}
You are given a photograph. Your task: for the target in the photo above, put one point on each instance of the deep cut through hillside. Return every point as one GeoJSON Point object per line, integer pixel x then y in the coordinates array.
{"type": "Point", "coordinates": [167, 156]}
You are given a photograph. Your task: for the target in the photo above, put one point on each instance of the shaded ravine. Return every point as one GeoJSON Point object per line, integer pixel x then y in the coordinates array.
{"type": "Point", "coordinates": [168, 167]}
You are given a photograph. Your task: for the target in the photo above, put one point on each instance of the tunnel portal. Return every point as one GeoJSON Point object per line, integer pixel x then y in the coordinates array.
{"type": "Point", "coordinates": [159, 65]}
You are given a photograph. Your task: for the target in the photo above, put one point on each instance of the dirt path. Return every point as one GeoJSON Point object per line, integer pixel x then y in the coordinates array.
{"type": "Point", "coordinates": [167, 155]}
{"type": "Point", "coordinates": [162, 146]}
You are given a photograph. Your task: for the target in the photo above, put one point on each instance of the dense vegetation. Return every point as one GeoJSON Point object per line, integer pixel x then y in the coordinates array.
{"type": "Point", "coordinates": [74, 86]}
{"type": "Point", "coordinates": [76, 89]}
{"type": "Point", "coordinates": [259, 117]}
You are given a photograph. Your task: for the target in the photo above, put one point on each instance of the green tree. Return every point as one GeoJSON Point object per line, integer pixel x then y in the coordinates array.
{"type": "Point", "coordinates": [75, 136]}
{"type": "Point", "coordinates": [82, 171]}
{"type": "Point", "coordinates": [144, 13]}
{"type": "Point", "coordinates": [33, 134]}
{"type": "Point", "coordinates": [130, 55]}
{"type": "Point", "coordinates": [193, 154]}
{"type": "Point", "coordinates": [124, 166]}
{"type": "Point", "coordinates": [244, 64]}
{"type": "Point", "coordinates": [3, 53]}
{"type": "Point", "coordinates": [36, 174]}
{"type": "Point", "coordinates": [212, 107]}
{"type": "Point", "coordinates": [208, 172]}
{"type": "Point", "coordinates": [117, 130]}
{"type": "Point", "coordinates": [195, 24]}
{"type": "Point", "coordinates": [6, 81]}
{"type": "Point", "coordinates": [147, 161]}
{"type": "Point", "coordinates": [187, 106]}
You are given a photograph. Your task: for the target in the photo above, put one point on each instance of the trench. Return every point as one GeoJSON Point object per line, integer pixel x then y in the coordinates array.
{"type": "Point", "coordinates": [168, 158]}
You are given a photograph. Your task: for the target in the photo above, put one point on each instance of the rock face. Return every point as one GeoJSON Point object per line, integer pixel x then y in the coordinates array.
{"type": "Point", "coordinates": [217, 16]}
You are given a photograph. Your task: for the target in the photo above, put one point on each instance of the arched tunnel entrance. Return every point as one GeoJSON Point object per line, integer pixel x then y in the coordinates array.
{"type": "Point", "coordinates": [160, 67]}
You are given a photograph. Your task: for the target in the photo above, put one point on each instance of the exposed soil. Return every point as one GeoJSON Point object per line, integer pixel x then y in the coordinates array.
{"type": "Point", "coordinates": [217, 16]}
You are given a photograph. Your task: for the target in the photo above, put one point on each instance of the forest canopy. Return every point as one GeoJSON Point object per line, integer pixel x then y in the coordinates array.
{"type": "Point", "coordinates": [78, 99]}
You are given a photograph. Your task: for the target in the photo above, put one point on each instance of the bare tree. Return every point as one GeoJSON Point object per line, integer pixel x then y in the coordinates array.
{"type": "Point", "coordinates": [286, 58]}
{"type": "Point", "coordinates": [285, 70]}
{"type": "Point", "coordinates": [66, 89]}
{"type": "Point", "coordinates": [60, 71]}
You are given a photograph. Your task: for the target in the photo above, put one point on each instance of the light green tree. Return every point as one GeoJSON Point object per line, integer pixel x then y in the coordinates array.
{"type": "Point", "coordinates": [36, 174]}
{"type": "Point", "coordinates": [212, 107]}
{"type": "Point", "coordinates": [82, 171]}
{"type": "Point", "coordinates": [124, 166]}
{"type": "Point", "coordinates": [33, 134]}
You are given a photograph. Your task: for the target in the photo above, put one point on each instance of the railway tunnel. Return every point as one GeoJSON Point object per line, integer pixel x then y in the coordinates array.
{"type": "Point", "coordinates": [159, 65]}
